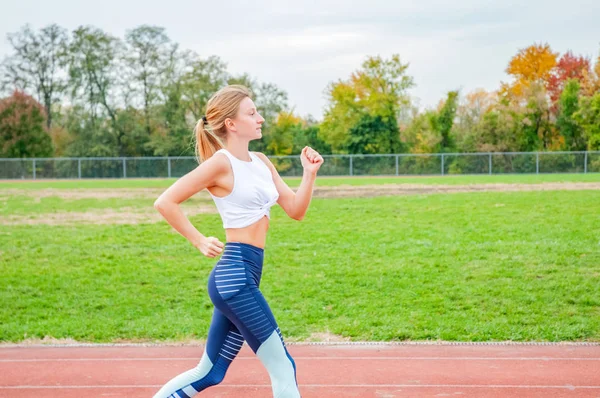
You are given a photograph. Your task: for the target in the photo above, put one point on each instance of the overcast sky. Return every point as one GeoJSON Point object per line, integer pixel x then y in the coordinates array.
{"type": "Point", "coordinates": [301, 46]}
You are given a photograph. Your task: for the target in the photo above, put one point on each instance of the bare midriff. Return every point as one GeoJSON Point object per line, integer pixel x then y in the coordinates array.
{"type": "Point", "coordinates": [255, 234]}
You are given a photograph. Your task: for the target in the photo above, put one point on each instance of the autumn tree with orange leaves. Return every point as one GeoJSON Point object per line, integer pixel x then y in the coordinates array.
{"type": "Point", "coordinates": [531, 65]}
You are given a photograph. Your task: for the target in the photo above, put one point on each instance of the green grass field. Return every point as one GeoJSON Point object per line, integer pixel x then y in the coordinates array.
{"type": "Point", "coordinates": [487, 266]}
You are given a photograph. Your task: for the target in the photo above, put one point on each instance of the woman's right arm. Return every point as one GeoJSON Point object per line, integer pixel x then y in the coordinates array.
{"type": "Point", "coordinates": [167, 204]}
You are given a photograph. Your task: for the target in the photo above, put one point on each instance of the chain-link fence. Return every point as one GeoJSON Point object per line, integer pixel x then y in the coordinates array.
{"type": "Point", "coordinates": [335, 165]}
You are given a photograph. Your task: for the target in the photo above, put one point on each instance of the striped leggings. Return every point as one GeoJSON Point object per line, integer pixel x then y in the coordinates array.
{"type": "Point", "coordinates": [241, 314]}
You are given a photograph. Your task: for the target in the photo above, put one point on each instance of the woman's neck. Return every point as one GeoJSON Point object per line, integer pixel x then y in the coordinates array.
{"type": "Point", "coordinates": [239, 150]}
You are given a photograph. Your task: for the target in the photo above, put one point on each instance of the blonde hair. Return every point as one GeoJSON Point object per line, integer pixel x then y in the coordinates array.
{"type": "Point", "coordinates": [210, 131]}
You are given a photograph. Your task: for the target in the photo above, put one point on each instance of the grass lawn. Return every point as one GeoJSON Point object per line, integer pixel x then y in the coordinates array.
{"type": "Point", "coordinates": [486, 266]}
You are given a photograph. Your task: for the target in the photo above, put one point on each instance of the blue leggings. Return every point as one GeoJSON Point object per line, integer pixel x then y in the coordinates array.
{"type": "Point", "coordinates": [241, 314]}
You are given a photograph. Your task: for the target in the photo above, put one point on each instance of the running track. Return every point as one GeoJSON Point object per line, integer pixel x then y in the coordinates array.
{"type": "Point", "coordinates": [324, 370]}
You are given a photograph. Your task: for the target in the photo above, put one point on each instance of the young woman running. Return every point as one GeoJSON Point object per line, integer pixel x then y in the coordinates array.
{"type": "Point", "coordinates": [244, 186]}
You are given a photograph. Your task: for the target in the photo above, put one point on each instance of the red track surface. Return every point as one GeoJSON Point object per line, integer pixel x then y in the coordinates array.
{"type": "Point", "coordinates": [336, 370]}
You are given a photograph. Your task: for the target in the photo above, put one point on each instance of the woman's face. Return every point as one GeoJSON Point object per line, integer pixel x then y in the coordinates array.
{"type": "Point", "coordinates": [248, 122]}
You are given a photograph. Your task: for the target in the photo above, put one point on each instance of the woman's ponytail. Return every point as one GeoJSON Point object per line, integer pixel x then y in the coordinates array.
{"type": "Point", "coordinates": [206, 142]}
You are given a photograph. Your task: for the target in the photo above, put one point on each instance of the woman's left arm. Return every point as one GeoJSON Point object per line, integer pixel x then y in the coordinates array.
{"type": "Point", "coordinates": [295, 204]}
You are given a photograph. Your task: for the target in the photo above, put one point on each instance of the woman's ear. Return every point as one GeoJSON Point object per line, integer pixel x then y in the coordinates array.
{"type": "Point", "coordinates": [229, 124]}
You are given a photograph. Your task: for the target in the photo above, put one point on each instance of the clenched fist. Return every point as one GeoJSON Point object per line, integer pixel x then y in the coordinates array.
{"type": "Point", "coordinates": [311, 160]}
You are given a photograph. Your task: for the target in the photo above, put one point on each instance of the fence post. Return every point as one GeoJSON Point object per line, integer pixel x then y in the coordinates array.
{"type": "Point", "coordinates": [124, 169]}
{"type": "Point", "coordinates": [442, 164]}
{"type": "Point", "coordinates": [169, 167]}
{"type": "Point", "coordinates": [585, 163]}
{"type": "Point", "coordinates": [34, 168]}
{"type": "Point", "coordinates": [490, 164]}
{"type": "Point", "coordinates": [79, 168]}
{"type": "Point", "coordinates": [396, 164]}
{"type": "Point", "coordinates": [350, 164]}
{"type": "Point", "coordinates": [537, 163]}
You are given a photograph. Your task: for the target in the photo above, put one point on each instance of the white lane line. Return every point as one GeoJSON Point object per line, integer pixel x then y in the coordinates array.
{"type": "Point", "coordinates": [314, 358]}
{"type": "Point", "coordinates": [568, 387]}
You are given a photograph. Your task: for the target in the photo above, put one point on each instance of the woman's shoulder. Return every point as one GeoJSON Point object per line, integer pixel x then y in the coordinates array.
{"type": "Point", "coordinates": [219, 161]}
{"type": "Point", "coordinates": [262, 156]}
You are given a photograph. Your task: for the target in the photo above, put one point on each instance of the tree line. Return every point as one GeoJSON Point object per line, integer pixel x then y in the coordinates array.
{"type": "Point", "coordinates": [88, 93]}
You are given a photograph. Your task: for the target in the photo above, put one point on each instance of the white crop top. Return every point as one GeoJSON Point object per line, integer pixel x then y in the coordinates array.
{"type": "Point", "coordinates": [253, 193]}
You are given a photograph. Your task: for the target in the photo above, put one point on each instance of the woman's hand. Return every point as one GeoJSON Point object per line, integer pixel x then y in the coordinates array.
{"type": "Point", "coordinates": [311, 160]}
{"type": "Point", "coordinates": [210, 247]}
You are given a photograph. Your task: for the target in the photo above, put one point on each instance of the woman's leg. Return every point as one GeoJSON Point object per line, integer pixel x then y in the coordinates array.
{"type": "Point", "coordinates": [250, 313]}
{"type": "Point", "coordinates": [270, 348]}
{"type": "Point", "coordinates": [222, 345]}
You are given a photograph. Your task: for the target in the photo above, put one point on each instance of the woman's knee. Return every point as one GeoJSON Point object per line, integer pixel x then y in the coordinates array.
{"type": "Point", "coordinates": [216, 376]}
{"type": "Point", "coordinates": [208, 373]}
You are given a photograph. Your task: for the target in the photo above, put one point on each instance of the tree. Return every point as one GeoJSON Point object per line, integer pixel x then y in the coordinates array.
{"type": "Point", "coordinates": [309, 135]}
{"type": "Point", "coordinates": [22, 128]}
{"type": "Point", "coordinates": [204, 78]}
{"type": "Point", "coordinates": [568, 67]}
{"type": "Point", "coordinates": [147, 56]}
{"type": "Point", "coordinates": [588, 117]}
{"type": "Point", "coordinates": [535, 132]}
{"type": "Point", "coordinates": [445, 120]}
{"type": "Point", "coordinates": [37, 65]}
{"type": "Point", "coordinates": [567, 125]}
{"type": "Point", "coordinates": [95, 72]}
{"type": "Point", "coordinates": [590, 83]}
{"type": "Point", "coordinates": [377, 89]}
{"type": "Point", "coordinates": [89, 138]}
{"type": "Point", "coordinates": [430, 131]}
{"type": "Point", "coordinates": [421, 134]}
{"type": "Point", "coordinates": [374, 134]}
{"type": "Point", "coordinates": [528, 98]}
{"type": "Point", "coordinates": [531, 65]}
{"type": "Point", "coordinates": [173, 136]}
{"type": "Point", "coordinates": [498, 129]}
{"type": "Point", "coordinates": [280, 139]}
{"type": "Point", "coordinates": [469, 116]}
